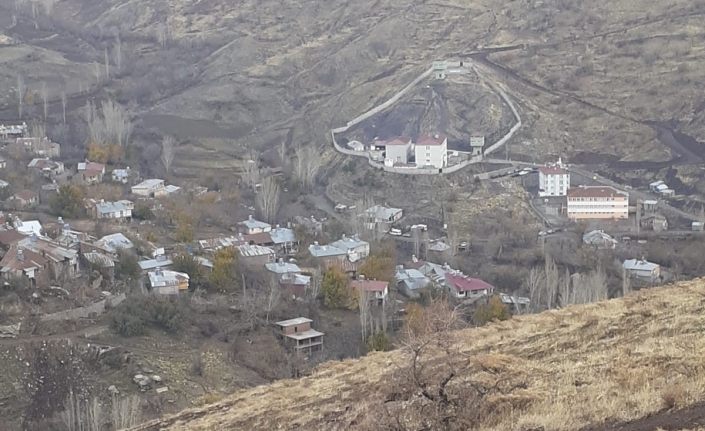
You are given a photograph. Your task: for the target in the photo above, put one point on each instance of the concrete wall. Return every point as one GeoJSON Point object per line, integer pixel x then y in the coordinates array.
{"type": "Point", "coordinates": [84, 312]}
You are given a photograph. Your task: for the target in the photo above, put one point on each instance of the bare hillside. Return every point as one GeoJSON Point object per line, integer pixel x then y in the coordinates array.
{"type": "Point", "coordinates": [601, 366]}
{"type": "Point", "coordinates": [229, 76]}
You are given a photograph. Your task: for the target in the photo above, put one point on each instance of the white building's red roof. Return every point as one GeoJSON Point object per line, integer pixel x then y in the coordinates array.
{"type": "Point", "coordinates": [595, 192]}
{"type": "Point", "coordinates": [426, 140]}
{"type": "Point", "coordinates": [370, 285]}
{"type": "Point", "coordinates": [462, 283]}
{"type": "Point", "coordinates": [552, 170]}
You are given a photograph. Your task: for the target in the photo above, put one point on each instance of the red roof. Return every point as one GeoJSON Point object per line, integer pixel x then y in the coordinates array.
{"type": "Point", "coordinates": [552, 170]}
{"type": "Point", "coordinates": [431, 140]}
{"type": "Point", "coordinates": [462, 283]}
{"type": "Point", "coordinates": [9, 237]}
{"type": "Point", "coordinates": [399, 140]}
{"type": "Point", "coordinates": [595, 192]}
{"type": "Point", "coordinates": [369, 285]}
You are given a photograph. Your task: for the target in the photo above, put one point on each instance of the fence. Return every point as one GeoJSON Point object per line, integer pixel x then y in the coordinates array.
{"type": "Point", "coordinates": [84, 312]}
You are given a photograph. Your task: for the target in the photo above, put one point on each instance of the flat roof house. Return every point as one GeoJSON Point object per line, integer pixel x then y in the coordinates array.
{"type": "Point", "coordinates": [166, 282]}
{"type": "Point", "coordinates": [256, 255]}
{"type": "Point", "coordinates": [597, 202]}
{"type": "Point", "coordinates": [300, 335]}
{"type": "Point", "coordinates": [153, 187]}
{"type": "Point", "coordinates": [120, 210]}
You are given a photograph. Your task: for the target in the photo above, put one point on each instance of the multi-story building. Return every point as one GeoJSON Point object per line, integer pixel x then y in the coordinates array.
{"type": "Point", "coordinates": [397, 151]}
{"type": "Point", "coordinates": [553, 180]}
{"type": "Point", "coordinates": [431, 152]}
{"type": "Point", "coordinates": [300, 335]}
{"type": "Point", "coordinates": [597, 202]}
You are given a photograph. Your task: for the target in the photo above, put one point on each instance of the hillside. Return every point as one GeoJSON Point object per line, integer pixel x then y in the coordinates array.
{"type": "Point", "coordinates": [597, 366]}
{"type": "Point", "coordinates": [227, 77]}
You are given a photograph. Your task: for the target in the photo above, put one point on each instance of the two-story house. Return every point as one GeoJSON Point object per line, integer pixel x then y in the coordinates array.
{"type": "Point", "coordinates": [152, 187]}
{"type": "Point", "coordinates": [300, 335]}
{"type": "Point", "coordinates": [377, 291]}
{"type": "Point", "coordinates": [120, 210]}
{"type": "Point", "coordinates": [461, 286]}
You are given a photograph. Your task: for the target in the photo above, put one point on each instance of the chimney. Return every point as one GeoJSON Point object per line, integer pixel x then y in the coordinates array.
{"type": "Point", "coordinates": [276, 226]}
{"type": "Point", "coordinates": [60, 220]}
{"type": "Point", "coordinates": [361, 277]}
{"type": "Point", "coordinates": [250, 218]}
{"type": "Point", "coordinates": [20, 254]}
{"type": "Point", "coordinates": [315, 244]}
{"type": "Point", "coordinates": [414, 258]}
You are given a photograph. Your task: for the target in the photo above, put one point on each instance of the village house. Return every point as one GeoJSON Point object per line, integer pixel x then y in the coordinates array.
{"type": "Point", "coordinates": [3, 185]}
{"type": "Point", "coordinates": [599, 239]}
{"type": "Point", "coordinates": [120, 210]}
{"type": "Point", "coordinates": [152, 188]}
{"type": "Point", "coordinates": [300, 335]}
{"type": "Point", "coordinates": [397, 150]}
{"type": "Point", "coordinates": [516, 304]}
{"type": "Point", "coordinates": [48, 191]}
{"type": "Point", "coordinates": [284, 240]}
{"type": "Point", "coordinates": [91, 172]}
{"type": "Point", "coordinates": [21, 263]}
{"type": "Point", "coordinates": [382, 218]}
{"type": "Point", "coordinates": [121, 175]}
{"type": "Point", "coordinates": [377, 291]}
{"type": "Point", "coordinates": [256, 255]}
{"type": "Point", "coordinates": [461, 286]}
{"type": "Point", "coordinates": [164, 282]}
{"type": "Point", "coordinates": [597, 202]}
{"type": "Point", "coordinates": [13, 131]}
{"type": "Point", "coordinates": [8, 238]}
{"type": "Point", "coordinates": [252, 226]}
{"type": "Point", "coordinates": [289, 277]}
{"type": "Point", "coordinates": [654, 222]}
{"type": "Point", "coordinates": [159, 261]}
{"type": "Point", "coordinates": [113, 243]}
{"type": "Point", "coordinates": [649, 206]}
{"type": "Point", "coordinates": [327, 255]}
{"type": "Point", "coordinates": [431, 152]}
{"type": "Point", "coordinates": [63, 262]}
{"type": "Point", "coordinates": [69, 238]}
{"type": "Point", "coordinates": [355, 248]}
{"type": "Point", "coordinates": [25, 199]}
{"type": "Point", "coordinates": [46, 167]}
{"type": "Point", "coordinates": [356, 146]}
{"type": "Point", "coordinates": [642, 269]}
{"type": "Point", "coordinates": [42, 147]}
{"type": "Point", "coordinates": [439, 247]}
{"type": "Point", "coordinates": [410, 281]}
{"type": "Point", "coordinates": [100, 261]}
{"type": "Point", "coordinates": [554, 180]}
{"type": "Point", "coordinates": [215, 244]}
{"type": "Point", "coordinates": [697, 226]}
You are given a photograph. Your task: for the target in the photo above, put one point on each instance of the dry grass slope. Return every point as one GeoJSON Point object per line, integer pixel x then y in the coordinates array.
{"type": "Point", "coordinates": [613, 361]}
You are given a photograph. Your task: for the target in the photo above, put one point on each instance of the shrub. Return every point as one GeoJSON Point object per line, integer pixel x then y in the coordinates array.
{"type": "Point", "coordinates": [493, 310]}
{"type": "Point", "coordinates": [133, 315]}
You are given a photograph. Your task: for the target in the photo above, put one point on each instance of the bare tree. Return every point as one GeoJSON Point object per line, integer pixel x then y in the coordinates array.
{"type": "Point", "coordinates": [551, 279]}
{"type": "Point", "coordinates": [110, 125]}
{"type": "Point", "coordinates": [273, 296]}
{"type": "Point", "coordinates": [96, 72]}
{"type": "Point", "coordinates": [251, 171]}
{"type": "Point", "coordinates": [45, 99]}
{"type": "Point", "coordinates": [282, 154]}
{"type": "Point", "coordinates": [125, 411]}
{"type": "Point", "coordinates": [37, 129]}
{"type": "Point", "coordinates": [626, 283]}
{"type": "Point", "coordinates": [167, 156]}
{"type": "Point", "coordinates": [63, 106]}
{"type": "Point", "coordinates": [364, 307]}
{"type": "Point", "coordinates": [315, 286]}
{"type": "Point", "coordinates": [535, 284]}
{"type": "Point", "coordinates": [107, 63]}
{"type": "Point", "coordinates": [81, 415]}
{"type": "Point", "coordinates": [117, 52]}
{"type": "Point", "coordinates": [308, 163]}
{"type": "Point", "coordinates": [268, 199]}
{"type": "Point", "coordinates": [163, 34]}
{"type": "Point", "coordinates": [20, 94]}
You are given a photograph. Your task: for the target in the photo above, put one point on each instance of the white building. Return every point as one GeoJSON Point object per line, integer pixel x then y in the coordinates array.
{"type": "Point", "coordinates": [151, 188]}
{"type": "Point", "coordinates": [641, 268]}
{"type": "Point", "coordinates": [120, 210]}
{"type": "Point", "coordinates": [355, 248]}
{"type": "Point", "coordinates": [121, 175]}
{"type": "Point", "coordinates": [252, 226]}
{"type": "Point", "coordinates": [553, 180]}
{"type": "Point", "coordinates": [597, 202]}
{"type": "Point", "coordinates": [431, 152]}
{"type": "Point", "coordinates": [397, 151]}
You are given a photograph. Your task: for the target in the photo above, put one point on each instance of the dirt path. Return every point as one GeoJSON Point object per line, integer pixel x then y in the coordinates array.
{"type": "Point", "coordinates": [672, 420]}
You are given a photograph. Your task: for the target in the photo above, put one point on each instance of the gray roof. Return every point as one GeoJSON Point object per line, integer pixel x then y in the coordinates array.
{"type": "Point", "coordinates": [149, 184]}
{"type": "Point", "coordinates": [114, 242]}
{"type": "Point", "coordinates": [252, 223]}
{"type": "Point", "coordinates": [248, 250]}
{"type": "Point", "coordinates": [412, 278]}
{"type": "Point", "coordinates": [639, 265]}
{"type": "Point", "coordinates": [382, 213]}
{"type": "Point", "coordinates": [282, 267]}
{"type": "Point", "coordinates": [112, 207]}
{"type": "Point", "coordinates": [296, 321]}
{"type": "Point", "coordinates": [597, 236]}
{"type": "Point", "coordinates": [99, 259]}
{"type": "Point", "coordinates": [349, 243]}
{"type": "Point", "coordinates": [325, 250]}
{"type": "Point", "coordinates": [282, 235]}
{"type": "Point", "coordinates": [154, 263]}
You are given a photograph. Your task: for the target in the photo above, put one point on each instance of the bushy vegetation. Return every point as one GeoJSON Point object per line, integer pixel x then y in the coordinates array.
{"type": "Point", "coordinates": [336, 292]}
{"type": "Point", "coordinates": [137, 313]}
{"type": "Point", "coordinates": [68, 203]}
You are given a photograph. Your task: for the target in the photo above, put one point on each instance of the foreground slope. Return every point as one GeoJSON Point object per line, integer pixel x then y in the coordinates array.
{"type": "Point", "coordinates": [592, 366]}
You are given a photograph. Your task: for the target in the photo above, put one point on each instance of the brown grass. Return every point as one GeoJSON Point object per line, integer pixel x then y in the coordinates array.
{"type": "Point", "coordinates": [613, 361]}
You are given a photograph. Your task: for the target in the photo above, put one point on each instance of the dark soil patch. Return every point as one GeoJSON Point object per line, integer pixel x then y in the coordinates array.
{"type": "Point", "coordinates": [691, 417]}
